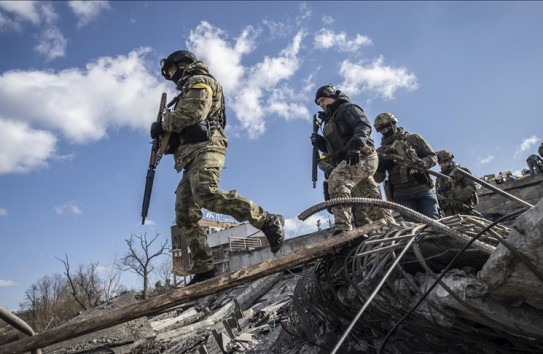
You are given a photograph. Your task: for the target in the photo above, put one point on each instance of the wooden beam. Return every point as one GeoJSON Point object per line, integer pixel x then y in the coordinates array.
{"type": "Point", "coordinates": [176, 297]}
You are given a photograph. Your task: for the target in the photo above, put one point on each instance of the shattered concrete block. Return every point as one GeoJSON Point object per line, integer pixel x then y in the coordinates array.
{"type": "Point", "coordinates": [506, 274]}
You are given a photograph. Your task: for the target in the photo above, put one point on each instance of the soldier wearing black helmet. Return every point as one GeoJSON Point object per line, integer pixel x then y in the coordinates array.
{"type": "Point", "coordinates": [535, 164]}
{"type": "Point", "coordinates": [197, 121]}
{"type": "Point", "coordinates": [409, 187]}
{"type": "Point", "coordinates": [458, 194]}
{"type": "Point", "coordinates": [351, 160]}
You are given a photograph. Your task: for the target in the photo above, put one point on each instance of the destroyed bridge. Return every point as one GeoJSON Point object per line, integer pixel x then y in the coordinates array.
{"type": "Point", "coordinates": [461, 284]}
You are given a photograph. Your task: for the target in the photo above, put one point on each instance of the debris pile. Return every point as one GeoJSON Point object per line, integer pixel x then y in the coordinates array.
{"type": "Point", "coordinates": [484, 301]}
{"type": "Point", "coordinates": [460, 284]}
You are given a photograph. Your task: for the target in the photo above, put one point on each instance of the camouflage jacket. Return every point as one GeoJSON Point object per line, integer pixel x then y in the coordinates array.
{"type": "Point", "coordinates": [457, 193]}
{"type": "Point", "coordinates": [201, 98]}
{"type": "Point", "coordinates": [401, 181]}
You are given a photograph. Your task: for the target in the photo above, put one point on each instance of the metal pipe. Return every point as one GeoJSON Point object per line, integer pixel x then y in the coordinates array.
{"type": "Point", "coordinates": [434, 224]}
{"type": "Point", "coordinates": [491, 187]}
{"type": "Point", "coordinates": [18, 324]}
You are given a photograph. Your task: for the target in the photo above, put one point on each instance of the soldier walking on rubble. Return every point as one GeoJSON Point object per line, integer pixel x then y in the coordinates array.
{"type": "Point", "coordinates": [458, 194]}
{"type": "Point", "coordinates": [350, 160]}
{"type": "Point", "coordinates": [407, 186]}
{"type": "Point", "coordinates": [535, 164]}
{"type": "Point", "coordinates": [198, 122]}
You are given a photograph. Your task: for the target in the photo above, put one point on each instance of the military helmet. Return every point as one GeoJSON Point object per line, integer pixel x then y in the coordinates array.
{"type": "Point", "coordinates": [444, 155]}
{"type": "Point", "coordinates": [383, 119]}
{"type": "Point", "coordinates": [180, 56]}
{"type": "Point", "coordinates": [326, 91]}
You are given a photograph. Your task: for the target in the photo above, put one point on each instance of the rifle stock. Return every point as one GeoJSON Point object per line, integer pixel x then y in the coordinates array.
{"type": "Point", "coordinates": [314, 171]}
{"type": "Point", "coordinates": [154, 159]}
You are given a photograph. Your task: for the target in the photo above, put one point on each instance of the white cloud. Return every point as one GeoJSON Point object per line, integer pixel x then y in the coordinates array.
{"type": "Point", "coordinates": [486, 159]}
{"type": "Point", "coordinates": [16, 154]}
{"type": "Point", "coordinates": [6, 283]}
{"type": "Point", "coordinates": [100, 269]}
{"type": "Point", "coordinates": [15, 14]}
{"type": "Point", "coordinates": [526, 145]}
{"type": "Point", "coordinates": [26, 11]}
{"type": "Point", "coordinates": [149, 222]}
{"type": "Point", "coordinates": [245, 87]}
{"type": "Point", "coordinates": [3, 212]}
{"type": "Point", "coordinates": [82, 104]}
{"type": "Point", "coordinates": [328, 20]}
{"type": "Point", "coordinates": [52, 43]}
{"type": "Point", "coordinates": [87, 11]}
{"type": "Point", "coordinates": [224, 60]}
{"type": "Point", "coordinates": [296, 227]}
{"type": "Point", "coordinates": [48, 13]}
{"type": "Point", "coordinates": [281, 106]}
{"type": "Point", "coordinates": [327, 39]}
{"type": "Point", "coordinates": [71, 207]}
{"type": "Point", "coordinates": [277, 29]}
{"type": "Point", "coordinates": [375, 79]}
{"type": "Point", "coordinates": [77, 104]}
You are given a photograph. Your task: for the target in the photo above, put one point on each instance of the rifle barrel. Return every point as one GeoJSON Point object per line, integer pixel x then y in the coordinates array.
{"type": "Point", "coordinates": [495, 189]}
{"type": "Point", "coordinates": [314, 171]}
{"type": "Point", "coordinates": [411, 164]}
{"type": "Point", "coordinates": [437, 174]}
{"type": "Point", "coordinates": [153, 162]}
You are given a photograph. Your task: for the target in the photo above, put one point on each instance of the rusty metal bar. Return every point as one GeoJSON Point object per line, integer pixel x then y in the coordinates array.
{"type": "Point", "coordinates": [18, 324]}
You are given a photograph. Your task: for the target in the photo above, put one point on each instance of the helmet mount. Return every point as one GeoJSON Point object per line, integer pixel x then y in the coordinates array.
{"type": "Point", "coordinates": [326, 91]}
{"type": "Point", "coordinates": [384, 119]}
{"type": "Point", "coordinates": [177, 57]}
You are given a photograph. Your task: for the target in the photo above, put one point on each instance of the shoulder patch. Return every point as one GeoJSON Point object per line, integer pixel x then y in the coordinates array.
{"type": "Point", "coordinates": [202, 85]}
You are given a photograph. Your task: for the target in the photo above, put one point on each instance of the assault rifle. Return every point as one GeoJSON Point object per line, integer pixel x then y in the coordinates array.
{"type": "Point", "coordinates": [314, 172]}
{"type": "Point", "coordinates": [445, 202]}
{"type": "Point", "coordinates": [417, 165]}
{"type": "Point", "coordinates": [157, 150]}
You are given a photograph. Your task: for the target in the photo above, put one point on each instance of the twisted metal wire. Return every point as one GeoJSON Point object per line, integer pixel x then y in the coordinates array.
{"type": "Point", "coordinates": [328, 296]}
{"type": "Point", "coordinates": [414, 215]}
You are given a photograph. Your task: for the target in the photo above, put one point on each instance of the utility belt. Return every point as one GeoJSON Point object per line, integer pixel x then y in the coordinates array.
{"type": "Point", "coordinates": [197, 133]}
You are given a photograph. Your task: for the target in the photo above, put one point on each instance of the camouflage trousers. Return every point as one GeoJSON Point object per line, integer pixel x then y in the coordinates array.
{"type": "Point", "coordinates": [356, 181]}
{"type": "Point", "coordinates": [199, 188]}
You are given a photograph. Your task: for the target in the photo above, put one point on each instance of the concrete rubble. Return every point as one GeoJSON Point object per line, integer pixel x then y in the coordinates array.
{"type": "Point", "coordinates": [486, 303]}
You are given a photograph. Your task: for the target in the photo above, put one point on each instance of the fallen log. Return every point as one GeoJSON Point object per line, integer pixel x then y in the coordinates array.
{"type": "Point", "coordinates": [193, 292]}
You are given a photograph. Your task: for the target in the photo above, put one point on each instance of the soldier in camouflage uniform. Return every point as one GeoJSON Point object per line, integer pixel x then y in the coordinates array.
{"type": "Point", "coordinates": [197, 126]}
{"type": "Point", "coordinates": [535, 164]}
{"type": "Point", "coordinates": [458, 194]}
{"type": "Point", "coordinates": [409, 187]}
{"type": "Point", "coordinates": [350, 157]}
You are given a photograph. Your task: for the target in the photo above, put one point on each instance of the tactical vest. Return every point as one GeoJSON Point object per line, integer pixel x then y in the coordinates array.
{"type": "Point", "coordinates": [447, 186]}
{"type": "Point", "coordinates": [399, 173]}
{"type": "Point", "coordinates": [337, 140]}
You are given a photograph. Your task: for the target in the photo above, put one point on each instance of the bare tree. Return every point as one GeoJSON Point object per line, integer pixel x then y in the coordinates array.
{"type": "Point", "coordinates": [48, 303]}
{"type": "Point", "coordinates": [88, 287]}
{"type": "Point", "coordinates": [140, 256]}
{"type": "Point", "coordinates": [84, 284]}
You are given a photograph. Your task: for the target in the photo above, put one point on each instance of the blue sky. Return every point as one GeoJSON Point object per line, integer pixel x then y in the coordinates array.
{"type": "Point", "coordinates": [80, 86]}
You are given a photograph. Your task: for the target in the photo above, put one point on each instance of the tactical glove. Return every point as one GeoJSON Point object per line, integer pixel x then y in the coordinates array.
{"type": "Point", "coordinates": [156, 130]}
{"type": "Point", "coordinates": [421, 164]}
{"type": "Point", "coordinates": [317, 140]}
{"type": "Point", "coordinates": [323, 116]}
{"type": "Point", "coordinates": [352, 157]}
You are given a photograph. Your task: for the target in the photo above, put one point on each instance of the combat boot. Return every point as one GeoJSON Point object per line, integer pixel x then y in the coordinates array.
{"type": "Point", "coordinates": [273, 229]}
{"type": "Point", "coordinates": [202, 276]}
